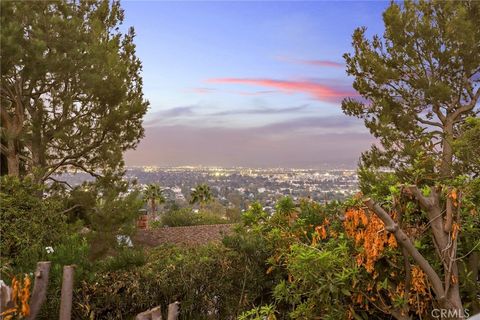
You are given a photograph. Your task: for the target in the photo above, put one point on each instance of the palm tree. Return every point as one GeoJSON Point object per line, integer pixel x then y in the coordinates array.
{"type": "Point", "coordinates": [201, 194]}
{"type": "Point", "coordinates": [153, 195]}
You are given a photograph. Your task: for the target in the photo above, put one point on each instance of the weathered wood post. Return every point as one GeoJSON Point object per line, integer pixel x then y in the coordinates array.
{"type": "Point", "coordinates": [5, 296]}
{"type": "Point", "coordinates": [67, 292]}
{"type": "Point", "coordinates": [152, 314]}
{"type": "Point", "coordinates": [173, 310]}
{"type": "Point", "coordinates": [39, 293]}
{"type": "Point", "coordinates": [156, 313]}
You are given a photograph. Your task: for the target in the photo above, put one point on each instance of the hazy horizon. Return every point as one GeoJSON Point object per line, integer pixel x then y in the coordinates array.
{"type": "Point", "coordinates": [254, 84]}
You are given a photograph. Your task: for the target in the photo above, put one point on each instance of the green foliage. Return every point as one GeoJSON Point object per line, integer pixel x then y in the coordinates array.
{"type": "Point", "coordinates": [307, 278]}
{"type": "Point", "coordinates": [420, 90]}
{"type": "Point", "coordinates": [467, 147]}
{"type": "Point", "coordinates": [284, 206]}
{"type": "Point", "coordinates": [419, 82]}
{"type": "Point", "coordinates": [28, 224]}
{"type": "Point", "coordinates": [254, 214]}
{"type": "Point", "coordinates": [108, 207]}
{"type": "Point", "coordinates": [322, 279]}
{"type": "Point", "coordinates": [81, 103]}
{"type": "Point", "coordinates": [124, 259]}
{"type": "Point", "coordinates": [266, 312]}
{"type": "Point", "coordinates": [187, 217]}
{"type": "Point", "coordinates": [74, 250]}
{"type": "Point", "coordinates": [377, 184]}
{"type": "Point", "coordinates": [201, 194]}
{"type": "Point", "coordinates": [153, 195]}
{"type": "Point", "coordinates": [205, 279]}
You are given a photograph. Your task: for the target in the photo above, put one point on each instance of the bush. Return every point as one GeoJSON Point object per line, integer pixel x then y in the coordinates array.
{"type": "Point", "coordinates": [29, 224]}
{"type": "Point", "coordinates": [211, 282]}
{"type": "Point", "coordinates": [125, 259]}
{"type": "Point", "coordinates": [186, 217]}
{"type": "Point", "coordinates": [73, 251]}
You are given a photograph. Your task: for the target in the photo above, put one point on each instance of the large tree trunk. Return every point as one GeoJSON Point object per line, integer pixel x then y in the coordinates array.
{"type": "Point", "coordinates": [13, 160]}
{"type": "Point", "coordinates": [446, 250]}
{"type": "Point", "coordinates": [447, 150]}
{"type": "Point", "coordinates": [447, 292]}
{"type": "Point", "coordinates": [37, 146]}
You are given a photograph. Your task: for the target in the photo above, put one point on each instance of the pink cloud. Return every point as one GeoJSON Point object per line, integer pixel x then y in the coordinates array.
{"type": "Point", "coordinates": [314, 62]}
{"type": "Point", "coordinates": [202, 90]}
{"type": "Point", "coordinates": [323, 63]}
{"type": "Point", "coordinates": [318, 91]}
{"type": "Point", "coordinates": [247, 93]}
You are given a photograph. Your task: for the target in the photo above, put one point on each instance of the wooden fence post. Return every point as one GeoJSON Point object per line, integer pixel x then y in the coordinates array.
{"type": "Point", "coordinates": [173, 310]}
{"type": "Point", "coordinates": [152, 314]}
{"type": "Point", "coordinates": [5, 296]}
{"type": "Point", "coordinates": [39, 293]}
{"type": "Point", "coordinates": [67, 292]}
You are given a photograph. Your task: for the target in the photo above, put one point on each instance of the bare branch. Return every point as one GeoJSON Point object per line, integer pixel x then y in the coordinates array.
{"type": "Point", "coordinates": [60, 181]}
{"type": "Point", "coordinates": [428, 122]}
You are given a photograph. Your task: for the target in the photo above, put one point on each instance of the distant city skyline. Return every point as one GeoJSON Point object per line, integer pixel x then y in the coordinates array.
{"type": "Point", "coordinates": [255, 84]}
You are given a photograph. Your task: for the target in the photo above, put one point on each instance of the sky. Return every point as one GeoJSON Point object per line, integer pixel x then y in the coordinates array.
{"type": "Point", "coordinates": [249, 83]}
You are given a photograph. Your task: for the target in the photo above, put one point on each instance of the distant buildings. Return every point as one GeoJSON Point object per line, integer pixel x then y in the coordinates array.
{"type": "Point", "coordinates": [238, 187]}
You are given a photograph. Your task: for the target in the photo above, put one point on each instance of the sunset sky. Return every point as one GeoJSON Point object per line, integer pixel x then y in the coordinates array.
{"type": "Point", "coordinates": [248, 83]}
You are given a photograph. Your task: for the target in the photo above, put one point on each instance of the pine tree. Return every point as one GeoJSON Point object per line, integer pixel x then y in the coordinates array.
{"type": "Point", "coordinates": [71, 90]}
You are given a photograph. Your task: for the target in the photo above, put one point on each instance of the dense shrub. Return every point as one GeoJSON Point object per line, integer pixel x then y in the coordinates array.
{"type": "Point", "coordinates": [125, 259]}
{"type": "Point", "coordinates": [73, 251]}
{"type": "Point", "coordinates": [29, 223]}
{"type": "Point", "coordinates": [211, 282]}
{"type": "Point", "coordinates": [186, 217]}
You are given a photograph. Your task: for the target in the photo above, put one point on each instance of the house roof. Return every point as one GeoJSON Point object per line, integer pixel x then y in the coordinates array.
{"type": "Point", "coordinates": [190, 235]}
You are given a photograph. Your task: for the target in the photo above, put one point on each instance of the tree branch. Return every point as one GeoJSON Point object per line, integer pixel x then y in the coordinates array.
{"type": "Point", "coordinates": [449, 219]}
{"type": "Point", "coordinates": [406, 243]}
{"type": "Point", "coordinates": [467, 107]}
{"type": "Point", "coordinates": [425, 202]}
{"type": "Point", "coordinates": [428, 122]}
{"type": "Point", "coordinates": [60, 181]}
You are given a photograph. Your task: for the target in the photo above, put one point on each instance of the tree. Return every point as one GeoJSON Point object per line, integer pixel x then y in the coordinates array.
{"type": "Point", "coordinates": [71, 90]}
{"type": "Point", "coordinates": [153, 195]}
{"type": "Point", "coordinates": [201, 194]}
{"type": "Point", "coordinates": [108, 207]}
{"type": "Point", "coordinates": [419, 83]}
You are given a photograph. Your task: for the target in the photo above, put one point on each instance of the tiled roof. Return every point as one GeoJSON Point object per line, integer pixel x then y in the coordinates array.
{"type": "Point", "coordinates": [191, 235]}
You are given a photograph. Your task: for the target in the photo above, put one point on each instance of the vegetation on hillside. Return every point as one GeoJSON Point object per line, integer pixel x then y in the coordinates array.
{"type": "Point", "coordinates": [407, 244]}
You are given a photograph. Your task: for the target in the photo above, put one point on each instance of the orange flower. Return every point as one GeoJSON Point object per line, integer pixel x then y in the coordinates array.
{"type": "Point", "coordinates": [25, 296]}
{"type": "Point", "coordinates": [22, 293]}
{"type": "Point", "coordinates": [418, 280]}
{"type": "Point", "coordinates": [314, 240]}
{"type": "Point", "coordinates": [368, 231]}
{"type": "Point", "coordinates": [453, 194]}
{"type": "Point", "coordinates": [455, 230]}
{"type": "Point", "coordinates": [323, 233]}
{"type": "Point", "coordinates": [392, 242]}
